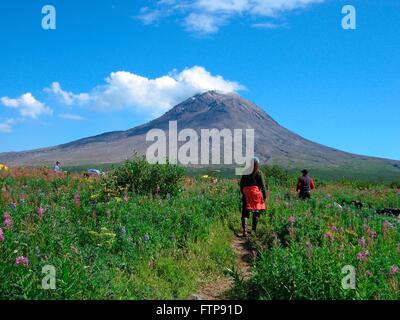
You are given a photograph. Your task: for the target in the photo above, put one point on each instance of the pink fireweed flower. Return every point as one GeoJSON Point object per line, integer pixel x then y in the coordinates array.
{"type": "Point", "coordinates": [40, 212]}
{"type": "Point", "coordinates": [126, 197]}
{"type": "Point", "coordinates": [362, 256]}
{"type": "Point", "coordinates": [362, 242]}
{"type": "Point", "coordinates": [334, 229]}
{"type": "Point", "coordinates": [7, 220]}
{"type": "Point", "coordinates": [393, 269]}
{"type": "Point", "coordinates": [386, 226]}
{"type": "Point", "coordinates": [22, 260]}
{"type": "Point", "coordinates": [77, 199]}
{"type": "Point", "coordinates": [292, 220]}
{"type": "Point", "coordinates": [371, 232]}
{"type": "Point", "coordinates": [1, 235]}
{"type": "Point", "coordinates": [329, 236]}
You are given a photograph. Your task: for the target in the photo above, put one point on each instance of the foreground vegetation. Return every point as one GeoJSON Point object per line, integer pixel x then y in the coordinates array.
{"type": "Point", "coordinates": [149, 232]}
{"type": "Point", "coordinates": [304, 246]}
{"type": "Point", "coordinates": [128, 246]}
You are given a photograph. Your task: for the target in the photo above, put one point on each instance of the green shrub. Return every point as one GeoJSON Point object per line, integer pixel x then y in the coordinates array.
{"type": "Point", "coordinates": [395, 185]}
{"type": "Point", "coordinates": [277, 176]}
{"type": "Point", "coordinates": [140, 177]}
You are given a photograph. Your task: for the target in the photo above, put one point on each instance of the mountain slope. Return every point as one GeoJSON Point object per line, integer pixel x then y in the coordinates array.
{"type": "Point", "coordinates": [273, 144]}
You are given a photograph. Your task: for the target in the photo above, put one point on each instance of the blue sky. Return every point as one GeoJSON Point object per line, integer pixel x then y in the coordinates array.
{"type": "Point", "coordinates": [118, 63]}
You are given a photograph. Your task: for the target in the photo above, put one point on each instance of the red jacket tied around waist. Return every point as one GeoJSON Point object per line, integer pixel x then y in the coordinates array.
{"type": "Point", "coordinates": [254, 198]}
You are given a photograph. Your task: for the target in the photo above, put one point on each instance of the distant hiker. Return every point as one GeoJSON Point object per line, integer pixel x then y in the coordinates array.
{"type": "Point", "coordinates": [94, 173]}
{"type": "Point", "coordinates": [254, 194]}
{"type": "Point", "coordinates": [304, 185]}
{"type": "Point", "coordinates": [57, 167]}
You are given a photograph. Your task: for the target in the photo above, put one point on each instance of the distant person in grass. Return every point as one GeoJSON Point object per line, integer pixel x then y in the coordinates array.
{"type": "Point", "coordinates": [57, 167]}
{"type": "Point", "coordinates": [254, 195]}
{"type": "Point", "coordinates": [304, 185]}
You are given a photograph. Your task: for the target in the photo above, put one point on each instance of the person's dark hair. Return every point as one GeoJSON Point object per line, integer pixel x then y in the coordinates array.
{"type": "Point", "coordinates": [256, 165]}
{"type": "Point", "coordinates": [304, 172]}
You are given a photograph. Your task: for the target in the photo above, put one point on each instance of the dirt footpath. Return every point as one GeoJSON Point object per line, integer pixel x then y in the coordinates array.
{"type": "Point", "coordinates": [219, 289]}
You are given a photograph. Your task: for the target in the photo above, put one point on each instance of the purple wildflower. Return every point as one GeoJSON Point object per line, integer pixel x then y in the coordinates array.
{"type": "Point", "coordinates": [393, 269]}
{"type": "Point", "coordinates": [362, 242]}
{"type": "Point", "coordinates": [7, 220]}
{"type": "Point", "coordinates": [386, 226]}
{"type": "Point", "coordinates": [77, 199]}
{"type": "Point", "coordinates": [146, 237]}
{"type": "Point", "coordinates": [1, 235]}
{"type": "Point", "coordinates": [40, 212]}
{"type": "Point", "coordinates": [292, 220]}
{"type": "Point", "coordinates": [126, 197]}
{"type": "Point", "coordinates": [362, 256]}
{"type": "Point", "coordinates": [22, 260]}
{"type": "Point", "coordinates": [334, 229]}
{"type": "Point", "coordinates": [372, 233]}
{"type": "Point", "coordinates": [329, 236]}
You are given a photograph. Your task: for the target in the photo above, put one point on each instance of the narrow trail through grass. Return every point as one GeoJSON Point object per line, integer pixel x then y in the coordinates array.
{"type": "Point", "coordinates": [220, 289]}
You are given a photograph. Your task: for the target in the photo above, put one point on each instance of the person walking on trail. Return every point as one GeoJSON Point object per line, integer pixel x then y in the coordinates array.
{"type": "Point", "coordinates": [254, 195]}
{"type": "Point", "coordinates": [304, 185]}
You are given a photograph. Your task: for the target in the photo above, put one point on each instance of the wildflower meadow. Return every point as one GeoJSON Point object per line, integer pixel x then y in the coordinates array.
{"type": "Point", "coordinates": [151, 232]}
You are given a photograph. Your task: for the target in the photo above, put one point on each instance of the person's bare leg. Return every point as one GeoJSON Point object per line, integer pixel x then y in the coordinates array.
{"type": "Point", "coordinates": [244, 226]}
{"type": "Point", "coordinates": [254, 223]}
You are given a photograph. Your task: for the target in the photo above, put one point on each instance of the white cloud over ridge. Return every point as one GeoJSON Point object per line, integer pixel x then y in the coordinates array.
{"type": "Point", "coordinates": [128, 90]}
{"type": "Point", "coordinates": [207, 16]}
{"type": "Point", "coordinates": [27, 105]}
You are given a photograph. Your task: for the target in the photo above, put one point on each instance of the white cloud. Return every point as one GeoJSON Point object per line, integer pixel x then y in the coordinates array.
{"type": "Point", "coordinates": [27, 105]}
{"type": "Point", "coordinates": [207, 16]}
{"type": "Point", "coordinates": [149, 16]}
{"type": "Point", "coordinates": [6, 126]}
{"type": "Point", "coordinates": [269, 25]}
{"type": "Point", "coordinates": [128, 90]}
{"type": "Point", "coordinates": [67, 98]}
{"type": "Point", "coordinates": [69, 116]}
{"type": "Point", "coordinates": [202, 23]}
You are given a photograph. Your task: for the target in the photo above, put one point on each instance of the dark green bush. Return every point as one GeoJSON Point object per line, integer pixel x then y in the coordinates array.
{"type": "Point", "coordinates": [395, 185]}
{"type": "Point", "coordinates": [140, 177]}
{"type": "Point", "coordinates": [277, 176]}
